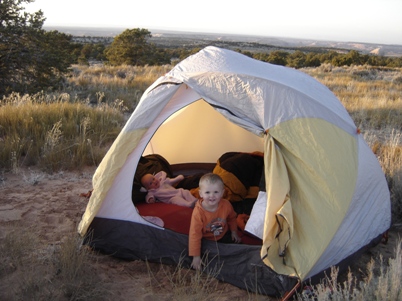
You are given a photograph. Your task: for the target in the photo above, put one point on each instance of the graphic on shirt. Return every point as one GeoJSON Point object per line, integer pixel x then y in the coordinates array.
{"type": "Point", "coordinates": [216, 226]}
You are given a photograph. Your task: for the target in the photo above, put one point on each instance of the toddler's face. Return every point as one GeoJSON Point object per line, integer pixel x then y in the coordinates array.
{"type": "Point", "coordinates": [211, 193]}
{"type": "Point", "coordinates": [150, 182]}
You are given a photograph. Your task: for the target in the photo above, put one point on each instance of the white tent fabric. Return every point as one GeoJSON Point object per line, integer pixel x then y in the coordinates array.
{"type": "Point", "coordinates": [321, 169]}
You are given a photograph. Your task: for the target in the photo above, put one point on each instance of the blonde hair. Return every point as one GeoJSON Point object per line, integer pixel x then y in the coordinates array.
{"type": "Point", "coordinates": [211, 178]}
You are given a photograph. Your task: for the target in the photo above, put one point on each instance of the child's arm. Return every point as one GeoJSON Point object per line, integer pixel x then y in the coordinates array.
{"type": "Point", "coordinates": [194, 239]}
{"type": "Point", "coordinates": [174, 181]}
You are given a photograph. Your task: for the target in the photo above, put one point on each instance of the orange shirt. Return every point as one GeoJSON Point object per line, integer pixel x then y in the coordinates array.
{"type": "Point", "coordinates": [210, 225]}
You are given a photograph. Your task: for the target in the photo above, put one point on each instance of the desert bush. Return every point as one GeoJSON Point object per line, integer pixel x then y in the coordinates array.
{"type": "Point", "coordinates": [398, 80]}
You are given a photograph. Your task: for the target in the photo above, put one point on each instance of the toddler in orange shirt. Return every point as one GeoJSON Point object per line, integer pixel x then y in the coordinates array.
{"type": "Point", "coordinates": [213, 217]}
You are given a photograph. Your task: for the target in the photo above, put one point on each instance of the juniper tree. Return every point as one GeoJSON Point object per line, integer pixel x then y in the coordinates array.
{"type": "Point", "coordinates": [132, 47]}
{"type": "Point", "coordinates": [31, 59]}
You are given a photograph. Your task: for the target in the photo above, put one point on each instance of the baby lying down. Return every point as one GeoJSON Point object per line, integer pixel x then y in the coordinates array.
{"type": "Point", "coordinates": [160, 187]}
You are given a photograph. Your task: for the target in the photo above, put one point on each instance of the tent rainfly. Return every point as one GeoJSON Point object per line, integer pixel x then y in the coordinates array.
{"type": "Point", "coordinates": [325, 198]}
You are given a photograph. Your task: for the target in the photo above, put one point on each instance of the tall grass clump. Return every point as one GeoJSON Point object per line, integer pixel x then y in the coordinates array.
{"type": "Point", "coordinates": [185, 284]}
{"type": "Point", "coordinates": [32, 270]}
{"type": "Point", "coordinates": [55, 132]}
{"type": "Point", "coordinates": [73, 266]}
{"type": "Point", "coordinates": [389, 154]}
{"type": "Point", "coordinates": [126, 83]}
{"type": "Point", "coordinates": [384, 285]}
{"type": "Point", "coordinates": [19, 263]}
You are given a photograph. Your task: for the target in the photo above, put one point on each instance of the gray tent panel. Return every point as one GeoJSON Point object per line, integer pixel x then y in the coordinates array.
{"type": "Point", "coordinates": [237, 264]}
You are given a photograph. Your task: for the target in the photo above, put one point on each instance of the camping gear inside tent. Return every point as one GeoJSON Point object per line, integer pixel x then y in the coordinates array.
{"type": "Point", "coordinates": [322, 197]}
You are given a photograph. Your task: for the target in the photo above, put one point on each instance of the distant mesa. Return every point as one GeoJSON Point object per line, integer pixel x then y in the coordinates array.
{"type": "Point", "coordinates": [377, 51]}
{"type": "Point", "coordinates": [248, 42]}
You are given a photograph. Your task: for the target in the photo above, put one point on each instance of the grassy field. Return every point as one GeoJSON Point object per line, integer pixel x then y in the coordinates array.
{"type": "Point", "coordinates": [73, 129]}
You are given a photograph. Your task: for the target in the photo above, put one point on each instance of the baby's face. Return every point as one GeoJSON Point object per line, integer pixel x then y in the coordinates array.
{"type": "Point", "coordinates": [150, 182]}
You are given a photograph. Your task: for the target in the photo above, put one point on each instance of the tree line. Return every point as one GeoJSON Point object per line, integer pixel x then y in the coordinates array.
{"type": "Point", "coordinates": [300, 59]}
{"type": "Point", "coordinates": [117, 53]}
{"type": "Point", "coordinates": [32, 59]}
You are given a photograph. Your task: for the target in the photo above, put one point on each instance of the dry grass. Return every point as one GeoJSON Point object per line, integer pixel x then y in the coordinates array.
{"type": "Point", "coordinates": [185, 284]}
{"type": "Point", "coordinates": [55, 132]}
{"type": "Point", "coordinates": [381, 285]}
{"type": "Point", "coordinates": [125, 83]}
{"type": "Point", "coordinates": [372, 96]}
{"type": "Point", "coordinates": [77, 124]}
{"type": "Point", "coordinates": [30, 270]}
{"type": "Point", "coordinates": [78, 280]}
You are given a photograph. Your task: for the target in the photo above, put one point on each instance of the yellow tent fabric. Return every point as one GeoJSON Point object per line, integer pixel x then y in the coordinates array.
{"type": "Point", "coordinates": [277, 187]}
{"type": "Point", "coordinates": [301, 220]}
{"type": "Point", "coordinates": [107, 171]}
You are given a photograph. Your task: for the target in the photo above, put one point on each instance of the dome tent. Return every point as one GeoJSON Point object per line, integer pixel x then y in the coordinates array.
{"type": "Point", "coordinates": [325, 196]}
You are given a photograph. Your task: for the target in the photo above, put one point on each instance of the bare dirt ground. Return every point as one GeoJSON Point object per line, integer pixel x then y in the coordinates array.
{"type": "Point", "coordinates": [52, 206]}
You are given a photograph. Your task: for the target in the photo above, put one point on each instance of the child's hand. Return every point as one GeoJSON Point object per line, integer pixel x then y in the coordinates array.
{"type": "Point", "coordinates": [180, 177]}
{"type": "Point", "coordinates": [176, 180]}
{"type": "Point", "coordinates": [151, 200]}
{"type": "Point", "coordinates": [235, 237]}
{"type": "Point", "coordinates": [196, 264]}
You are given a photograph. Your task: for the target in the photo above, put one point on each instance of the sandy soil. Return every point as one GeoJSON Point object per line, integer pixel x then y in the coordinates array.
{"type": "Point", "coordinates": [52, 206]}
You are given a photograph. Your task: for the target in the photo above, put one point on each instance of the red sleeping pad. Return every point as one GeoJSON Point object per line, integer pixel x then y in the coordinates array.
{"type": "Point", "coordinates": [177, 218]}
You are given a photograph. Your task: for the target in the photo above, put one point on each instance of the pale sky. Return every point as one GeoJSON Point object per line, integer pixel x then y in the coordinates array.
{"type": "Point", "coordinates": [371, 21]}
